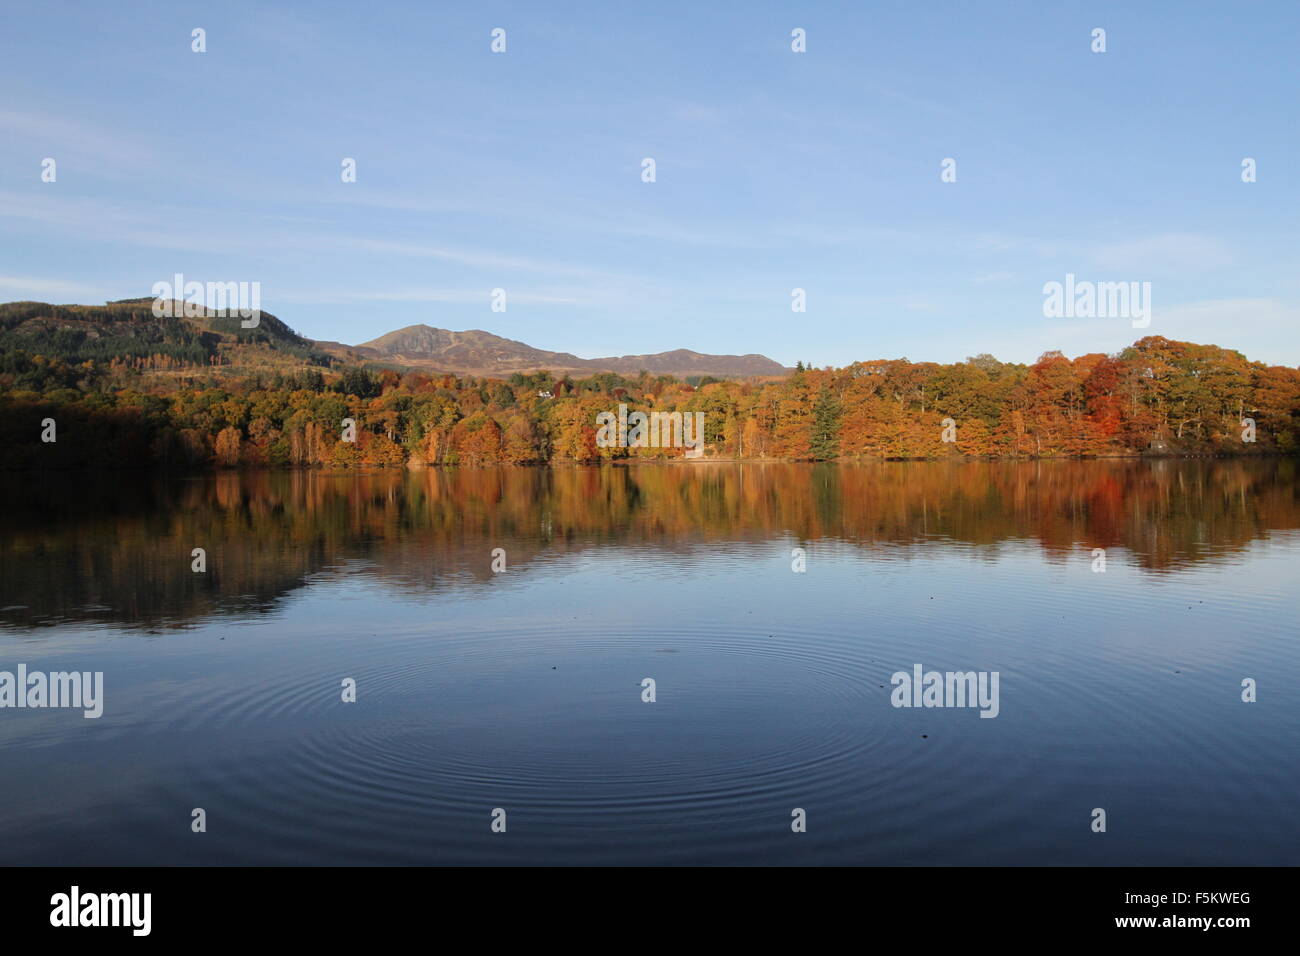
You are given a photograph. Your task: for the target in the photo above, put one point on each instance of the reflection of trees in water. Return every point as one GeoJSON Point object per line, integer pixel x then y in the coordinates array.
{"type": "Point", "coordinates": [91, 547]}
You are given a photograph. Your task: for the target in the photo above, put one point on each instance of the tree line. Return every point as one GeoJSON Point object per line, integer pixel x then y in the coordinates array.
{"type": "Point", "coordinates": [1159, 394]}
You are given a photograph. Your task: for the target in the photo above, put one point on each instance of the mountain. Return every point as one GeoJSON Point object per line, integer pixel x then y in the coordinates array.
{"type": "Point", "coordinates": [127, 331]}
{"type": "Point", "coordinates": [476, 352]}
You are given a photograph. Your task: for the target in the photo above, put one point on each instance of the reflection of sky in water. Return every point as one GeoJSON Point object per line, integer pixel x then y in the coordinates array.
{"type": "Point", "coordinates": [522, 690]}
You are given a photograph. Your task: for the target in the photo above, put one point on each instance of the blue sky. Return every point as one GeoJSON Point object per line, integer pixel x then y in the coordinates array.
{"type": "Point", "coordinates": [775, 170]}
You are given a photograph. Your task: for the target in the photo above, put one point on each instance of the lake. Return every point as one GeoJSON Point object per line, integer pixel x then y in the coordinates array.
{"type": "Point", "coordinates": [1121, 603]}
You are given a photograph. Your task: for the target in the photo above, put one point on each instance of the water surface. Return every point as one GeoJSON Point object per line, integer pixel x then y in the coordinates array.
{"type": "Point", "coordinates": [522, 689]}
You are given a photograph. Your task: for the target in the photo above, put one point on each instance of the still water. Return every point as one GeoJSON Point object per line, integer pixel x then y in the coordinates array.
{"type": "Point", "coordinates": [523, 689]}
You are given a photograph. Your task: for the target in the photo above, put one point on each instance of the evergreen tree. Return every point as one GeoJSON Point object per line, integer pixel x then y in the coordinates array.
{"type": "Point", "coordinates": [826, 425]}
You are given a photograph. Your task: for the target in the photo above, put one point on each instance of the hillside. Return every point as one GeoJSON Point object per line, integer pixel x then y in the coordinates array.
{"type": "Point", "coordinates": [476, 352]}
{"type": "Point", "coordinates": [127, 332]}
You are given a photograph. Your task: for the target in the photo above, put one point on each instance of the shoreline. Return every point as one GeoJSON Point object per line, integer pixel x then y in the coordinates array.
{"type": "Point", "coordinates": [642, 463]}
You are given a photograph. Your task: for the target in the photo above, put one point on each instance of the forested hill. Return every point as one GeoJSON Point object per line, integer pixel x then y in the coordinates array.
{"type": "Point", "coordinates": [127, 334]}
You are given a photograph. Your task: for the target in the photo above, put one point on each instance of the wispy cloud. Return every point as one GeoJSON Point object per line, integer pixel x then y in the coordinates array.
{"type": "Point", "coordinates": [477, 259]}
{"type": "Point", "coordinates": [1255, 326]}
{"type": "Point", "coordinates": [40, 289]}
{"type": "Point", "coordinates": [480, 297]}
{"type": "Point", "coordinates": [95, 148]}
{"type": "Point", "coordinates": [1172, 252]}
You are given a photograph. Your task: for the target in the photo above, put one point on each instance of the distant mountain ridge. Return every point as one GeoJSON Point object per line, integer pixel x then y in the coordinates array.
{"type": "Point", "coordinates": [475, 352]}
{"type": "Point", "coordinates": [127, 330]}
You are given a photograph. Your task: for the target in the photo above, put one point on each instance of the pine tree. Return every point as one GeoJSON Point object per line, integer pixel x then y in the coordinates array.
{"type": "Point", "coordinates": [826, 425]}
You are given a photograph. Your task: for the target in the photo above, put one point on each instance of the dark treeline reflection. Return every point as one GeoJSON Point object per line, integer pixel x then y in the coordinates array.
{"type": "Point", "coordinates": [116, 550]}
